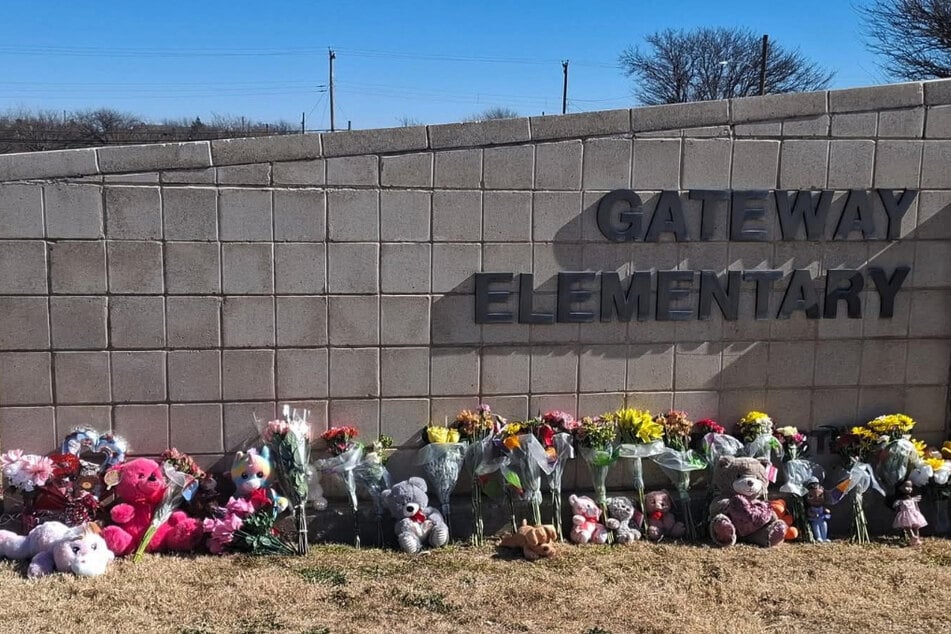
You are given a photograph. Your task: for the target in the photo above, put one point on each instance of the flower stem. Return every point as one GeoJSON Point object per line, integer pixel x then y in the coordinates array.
{"type": "Point", "coordinates": [146, 540]}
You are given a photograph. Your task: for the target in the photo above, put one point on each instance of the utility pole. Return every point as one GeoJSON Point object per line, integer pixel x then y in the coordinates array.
{"type": "Point", "coordinates": [762, 66]}
{"type": "Point", "coordinates": [332, 56]}
{"type": "Point", "coordinates": [303, 118]}
{"type": "Point", "coordinates": [564, 90]}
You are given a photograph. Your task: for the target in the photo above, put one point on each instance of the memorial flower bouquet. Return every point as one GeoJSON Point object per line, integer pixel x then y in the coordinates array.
{"type": "Point", "coordinates": [441, 460]}
{"type": "Point", "coordinates": [677, 460]}
{"type": "Point", "coordinates": [525, 461]}
{"type": "Point", "coordinates": [346, 454]}
{"type": "Point", "coordinates": [798, 473]}
{"type": "Point", "coordinates": [288, 439]}
{"type": "Point", "coordinates": [934, 475]}
{"type": "Point", "coordinates": [756, 431]}
{"type": "Point", "coordinates": [247, 525]}
{"type": "Point", "coordinates": [476, 429]}
{"type": "Point", "coordinates": [560, 450]}
{"type": "Point", "coordinates": [639, 436]}
{"type": "Point", "coordinates": [371, 473]}
{"type": "Point", "coordinates": [896, 449]}
{"type": "Point", "coordinates": [856, 446]}
{"type": "Point", "coordinates": [596, 439]}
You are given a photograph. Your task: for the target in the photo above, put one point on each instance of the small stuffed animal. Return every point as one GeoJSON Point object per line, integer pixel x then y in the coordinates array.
{"type": "Point", "coordinates": [53, 546]}
{"type": "Point", "coordinates": [140, 486]}
{"type": "Point", "coordinates": [661, 522]}
{"type": "Point", "coordinates": [817, 513]}
{"type": "Point", "coordinates": [315, 492]}
{"type": "Point", "coordinates": [417, 523]}
{"type": "Point", "coordinates": [739, 509]}
{"type": "Point", "coordinates": [779, 507]}
{"type": "Point", "coordinates": [585, 516]}
{"type": "Point", "coordinates": [621, 513]}
{"type": "Point", "coordinates": [536, 542]}
{"type": "Point", "coordinates": [251, 473]}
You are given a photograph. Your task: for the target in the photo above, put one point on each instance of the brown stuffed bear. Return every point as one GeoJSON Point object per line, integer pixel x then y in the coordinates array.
{"type": "Point", "coordinates": [661, 522]}
{"type": "Point", "coordinates": [536, 542]}
{"type": "Point", "coordinates": [739, 509]}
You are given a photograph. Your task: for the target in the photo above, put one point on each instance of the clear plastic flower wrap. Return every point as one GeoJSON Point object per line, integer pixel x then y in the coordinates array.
{"type": "Point", "coordinates": [442, 463]}
{"type": "Point", "coordinates": [858, 479]}
{"type": "Point", "coordinates": [565, 451]}
{"type": "Point", "coordinates": [342, 467]}
{"type": "Point", "coordinates": [798, 473]}
{"type": "Point", "coordinates": [763, 447]}
{"type": "Point", "coordinates": [894, 460]}
{"type": "Point", "coordinates": [481, 464]}
{"type": "Point", "coordinates": [522, 471]}
{"type": "Point", "coordinates": [180, 486]}
{"type": "Point", "coordinates": [599, 461]}
{"type": "Point", "coordinates": [374, 477]}
{"type": "Point", "coordinates": [635, 453]}
{"type": "Point", "coordinates": [677, 466]}
{"type": "Point", "coordinates": [288, 439]}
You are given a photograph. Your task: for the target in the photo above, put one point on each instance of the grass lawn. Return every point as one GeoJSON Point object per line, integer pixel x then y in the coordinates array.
{"type": "Point", "coordinates": [837, 587]}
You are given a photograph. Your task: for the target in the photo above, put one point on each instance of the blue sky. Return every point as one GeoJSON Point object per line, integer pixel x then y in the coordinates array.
{"type": "Point", "coordinates": [430, 62]}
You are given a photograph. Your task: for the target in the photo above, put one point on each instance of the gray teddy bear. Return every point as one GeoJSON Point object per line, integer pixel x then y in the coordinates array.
{"type": "Point", "coordinates": [621, 512]}
{"type": "Point", "coordinates": [417, 523]}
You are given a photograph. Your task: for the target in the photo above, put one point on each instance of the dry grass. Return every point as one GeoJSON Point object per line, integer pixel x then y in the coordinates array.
{"type": "Point", "coordinates": [586, 590]}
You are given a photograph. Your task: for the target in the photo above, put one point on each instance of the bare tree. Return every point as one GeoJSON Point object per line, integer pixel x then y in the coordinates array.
{"type": "Point", "coordinates": [715, 63]}
{"type": "Point", "coordinates": [914, 37]}
{"type": "Point", "coordinates": [496, 112]}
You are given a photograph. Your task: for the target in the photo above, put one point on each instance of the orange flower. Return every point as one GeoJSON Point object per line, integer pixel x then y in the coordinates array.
{"type": "Point", "coordinates": [512, 442]}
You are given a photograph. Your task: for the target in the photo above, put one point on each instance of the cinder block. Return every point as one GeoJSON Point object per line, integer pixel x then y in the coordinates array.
{"type": "Point", "coordinates": [762, 129]}
{"type": "Point", "coordinates": [906, 123]}
{"type": "Point", "coordinates": [245, 214]}
{"type": "Point", "coordinates": [932, 264]}
{"type": "Point", "coordinates": [564, 403]}
{"type": "Point", "coordinates": [78, 322]}
{"type": "Point", "coordinates": [505, 370]}
{"type": "Point", "coordinates": [880, 359]}
{"type": "Point", "coordinates": [556, 217]}
{"type": "Point", "coordinates": [389, 140]}
{"type": "Point", "coordinates": [298, 173]}
{"type": "Point", "coordinates": [407, 170]}
{"type": "Point", "coordinates": [354, 170]}
{"type": "Point", "coordinates": [405, 267]}
{"type": "Point", "coordinates": [247, 322]}
{"type": "Point", "coordinates": [133, 213]}
{"type": "Point", "coordinates": [454, 371]}
{"type": "Point", "coordinates": [404, 372]}
{"type": "Point", "coordinates": [707, 131]}
{"type": "Point", "coordinates": [145, 427]}
{"type": "Point", "coordinates": [680, 115]}
{"type": "Point", "coordinates": [455, 266]}
{"type": "Point", "coordinates": [934, 215]}
{"type": "Point", "coordinates": [452, 321]}
{"type": "Point", "coordinates": [364, 414]}
{"type": "Point", "coordinates": [353, 215]}
{"type": "Point", "coordinates": [192, 268]}
{"type": "Point", "coordinates": [247, 268]}
{"type": "Point", "coordinates": [607, 164]}
{"type": "Point", "coordinates": [851, 163]}
{"type": "Point", "coordinates": [239, 422]}
{"type": "Point", "coordinates": [652, 401]}
{"type": "Point", "coordinates": [25, 323]}
{"type": "Point", "coordinates": [601, 123]}
{"type": "Point", "coordinates": [554, 369]}
{"type": "Point", "coordinates": [791, 363]}
{"type": "Point", "coordinates": [474, 133]}
{"type": "Point", "coordinates": [300, 215]}
{"type": "Point", "coordinates": [874, 326]}
{"type": "Point", "coordinates": [817, 126]}
{"type": "Point", "coordinates": [403, 418]}
{"type": "Point", "coordinates": [547, 262]}
{"type": "Point", "coordinates": [252, 174]}
{"type": "Point", "coordinates": [790, 406]}
{"type": "Point", "coordinates": [202, 176]}
{"type": "Point", "coordinates": [876, 97]}
{"type": "Point", "coordinates": [457, 216]}
{"type": "Point", "coordinates": [191, 213]}
{"type": "Point", "coordinates": [354, 372]}
{"type": "Point", "coordinates": [72, 211]}
{"type": "Point", "coordinates": [404, 320]}
{"type": "Point", "coordinates": [198, 427]}
{"type": "Point", "coordinates": [405, 215]}
{"type": "Point", "coordinates": [928, 406]}
{"type": "Point", "coordinates": [81, 377]}
{"type": "Point", "coordinates": [937, 92]}
{"type": "Point", "coordinates": [193, 322]}
{"type": "Point", "coordinates": [28, 428]}
{"type": "Point", "coordinates": [25, 378]}
{"type": "Point", "coordinates": [302, 374]}
{"type": "Point", "coordinates": [558, 165]}
{"type": "Point", "coordinates": [657, 163]}
{"type": "Point", "coordinates": [300, 268]}
{"type": "Point", "coordinates": [782, 106]}
{"type": "Point", "coordinates": [937, 125]}
{"type": "Point", "coordinates": [838, 363]}
{"type": "Point", "coordinates": [459, 169]}
{"type": "Point", "coordinates": [135, 267]}
{"type": "Point", "coordinates": [734, 404]}
{"type": "Point", "coordinates": [137, 322]}
{"type": "Point", "coordinates": [855, 124]}
{"type": "Point", "coordinates": [697, 366]}
{"type": "Point", "coordinates": [286, 147]}
{"type": "Point", "coordinates": [138, 377]}
{"type": "Point", "coordinates": [936, 165]}
{"type": "Point", "coordinates": [23, 267]}
{"type": "Point", "coordinates": [507, 216]}
{"type": "Point", "coordinates": [599, 402]}
{"type": "Point", "coordinates": [247, 374]}
{"type": "Point", "coordinates": [897, 164]}
{"type": "Point", "coordinates": [354, 320]}
{"type": "Point", "coordinates": [745, 364]}
{"type": "Point", "coordinates": [803, 164]}
{"type": "Point", "coordinates": [603, 368]}
{"type": "Point", "coordinates": [194, 375]}
{"type": "Point", "coordinates": [927, 361]}
{"type": "Point", "coordinates": [301, 321]}
{"type": "Point", "coordinates": [755, 164]}
{"type": "Point", "coordinates": [700, 404]}
{"type": "Point", "coordinates": [98, 417]}
{"type": "Point", "coordinates": [157, 156]}
{"type": "Point", "coordinates": [353, 267]}
{"type": "Point", "coordinates": [59, 163]}
{"type": "Point", "coordinates": [509, 167]}
{"type": "Point", "coordinates": [21, 211]}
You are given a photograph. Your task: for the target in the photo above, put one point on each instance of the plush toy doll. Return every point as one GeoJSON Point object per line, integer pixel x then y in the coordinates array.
{"type": "Point", "coordinates": [779, 508]}
{"type": "Point", "coordinates": [739, 509]}
{"type": "Point", "coordinates": [140, 486]}
{"type": "Point", "coordinates": [661, 522]}
{"type": "Point", "coordinates": [251, 474]}
{"type": "Point", "coordinates": [621, 513]}
{"type": "Point", "coordinates": [536, 542]}
{"type": "Point", "coordinates": [54, 546]}
{"type": "Point", "coordinates": [816, 512]}
{"type": "Point", "coordinates": [907, 516]}
{"type": "Point", "coordinates": [586, 527]}
{"type": "Point", "coordinates": [417, 523]}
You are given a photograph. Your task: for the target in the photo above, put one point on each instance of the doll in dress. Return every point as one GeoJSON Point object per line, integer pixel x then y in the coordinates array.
{"type": "Point", "coordinates": [907, 516]}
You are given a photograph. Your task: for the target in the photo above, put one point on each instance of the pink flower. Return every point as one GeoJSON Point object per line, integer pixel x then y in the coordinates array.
{"type": "Point", "coordinates": [240, 507]}
{"type": "Point", "coordinates": [11, 457]}
{"type": "Point", "coordinates": [38, 469]}
{"type": "Point", "coordinates": [484, 408]}
{"type": "Point", "coordinates": [222, 531]}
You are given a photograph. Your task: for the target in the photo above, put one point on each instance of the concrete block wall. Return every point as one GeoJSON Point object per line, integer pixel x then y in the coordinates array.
{"type": "Point", "coordinates": [171, 293]}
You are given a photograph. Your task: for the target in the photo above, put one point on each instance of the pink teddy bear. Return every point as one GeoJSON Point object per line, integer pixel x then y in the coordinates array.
{"type": "Point", "coordinates": [140, 487]}
{"type": "Point", "coordinates": [585, 515]}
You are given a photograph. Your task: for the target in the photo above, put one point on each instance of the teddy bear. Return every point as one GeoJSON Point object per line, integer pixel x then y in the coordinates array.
{"type": "Point", "coordinates": [661, 522]}
{"type": "Point", "coordinates": [621, 513]}
{"type": "Point", "coordinates": [140, 486]}
{"type": "Point", "coordinates": [417, 523]}
{"type": "Point", "coordinates": [779, 507]}
{"type": "Point", "coordinates": [536, 542]}
{"type": "Point", "coordinates": [739, 509]}
{"type": "Point", "coordinates": [56, 546]}
{"type": "Point", "coordinates": [586, 527]}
